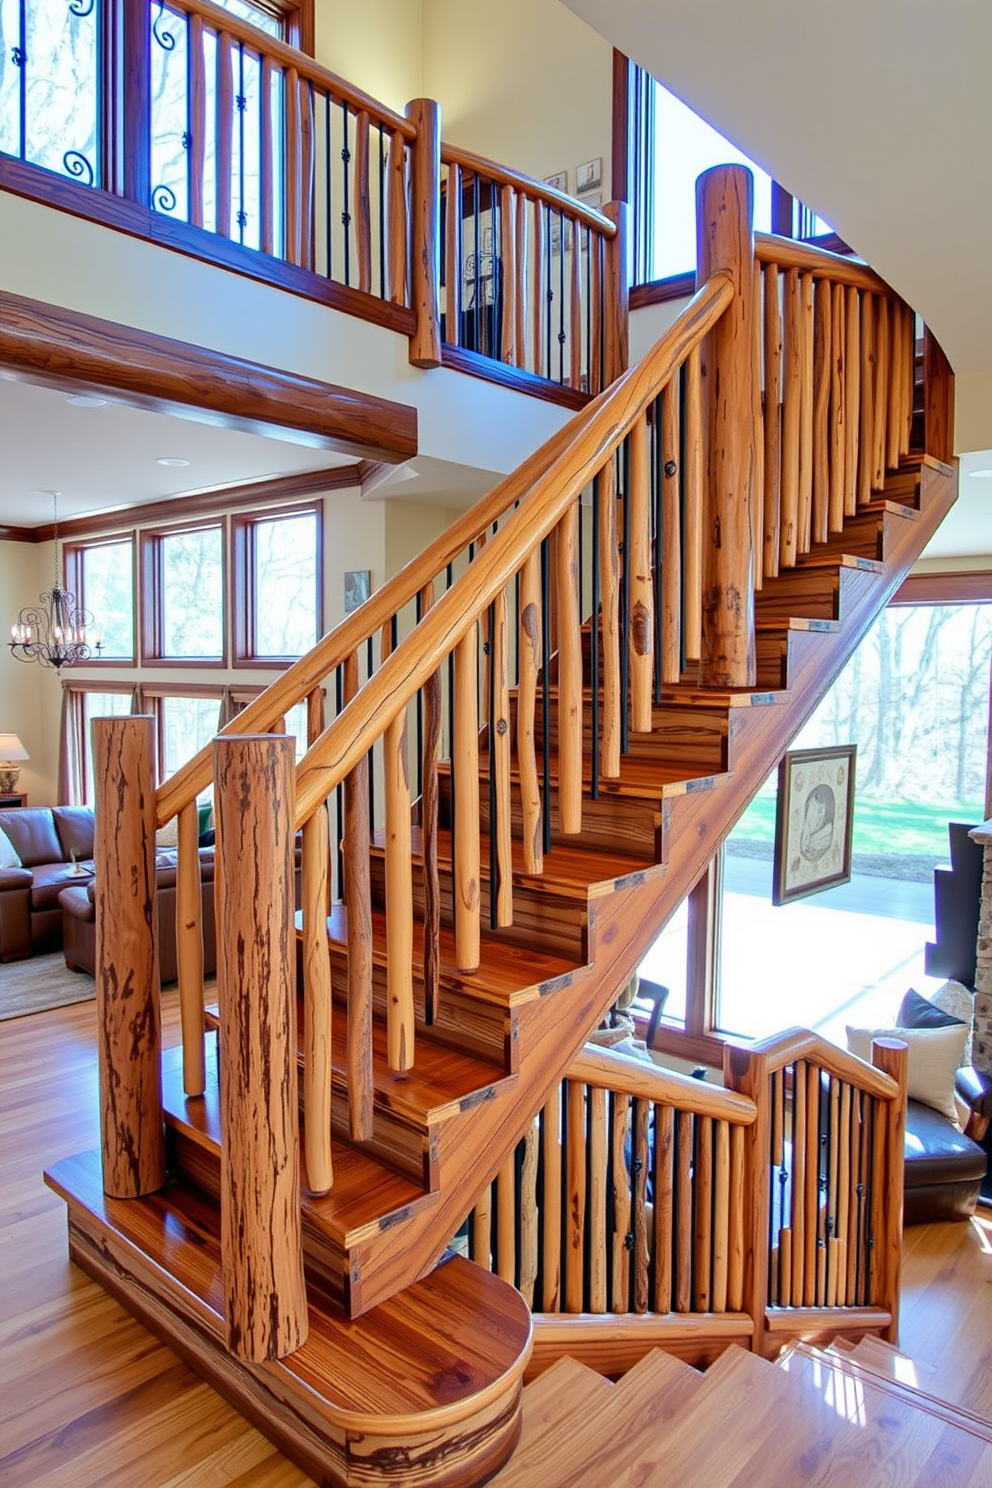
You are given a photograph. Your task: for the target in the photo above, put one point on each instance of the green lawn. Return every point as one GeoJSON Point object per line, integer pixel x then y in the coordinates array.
{"type": "Point", "coordinates": [879, 826]}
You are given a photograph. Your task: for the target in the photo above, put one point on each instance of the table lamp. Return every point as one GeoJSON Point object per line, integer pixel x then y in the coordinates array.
{"type": "Point", "coordinates": [11, 749]}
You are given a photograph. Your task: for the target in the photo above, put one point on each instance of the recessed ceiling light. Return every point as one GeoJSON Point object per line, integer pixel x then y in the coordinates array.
{"type": "Point", "coordinates": [981, 475]}
{"type": "Point", "coordinates": [86, 400]}
{"type": "Point", "coordinates": [174, 462]}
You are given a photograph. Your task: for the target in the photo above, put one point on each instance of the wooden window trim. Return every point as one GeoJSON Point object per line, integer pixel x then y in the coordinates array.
{"type": "Point", "coordinates": [242, 590]}
{"type": "Point", "coordinates": [150, 577]}
{"type": "Point", "coordinates": [72, 564]}
{"type": "Point", "coordinates": [963, 588]}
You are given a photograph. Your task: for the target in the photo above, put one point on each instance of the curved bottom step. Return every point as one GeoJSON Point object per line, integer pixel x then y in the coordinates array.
{"type": "Point", "coordinates": [424, 1389]}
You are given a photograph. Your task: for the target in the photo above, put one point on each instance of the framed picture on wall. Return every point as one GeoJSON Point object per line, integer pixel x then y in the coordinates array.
{"type": "Point", "coordinates": [559, 181]}
{"type": "Point", "coordinates": [589, 175]}
{"type": "Point", "coordinates": [813, 822]}
{"type": "Point", "coordinates": [356, 588]}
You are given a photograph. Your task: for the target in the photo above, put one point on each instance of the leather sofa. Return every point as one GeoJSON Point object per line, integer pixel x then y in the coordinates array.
{"type": "Point", "coordinates": [55, 846]}
{"type": "Point", "coordinates": [945, 1167]}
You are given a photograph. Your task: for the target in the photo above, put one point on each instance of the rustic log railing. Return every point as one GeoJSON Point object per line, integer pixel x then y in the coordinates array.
{"type": "Point", "coordinates": [529, 274]}
{"type": "Point", "coordinates": [640, 1196]}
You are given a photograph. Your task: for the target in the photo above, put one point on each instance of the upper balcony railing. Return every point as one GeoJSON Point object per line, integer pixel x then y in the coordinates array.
{"type": "Point", "coordinates": [198, 122]}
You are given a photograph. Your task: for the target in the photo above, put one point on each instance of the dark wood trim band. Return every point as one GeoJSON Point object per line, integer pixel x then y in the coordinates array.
{"type": "Point", "coordinates": [521, 381]}
{"type": "Point", "coordinates": [17, 534]}
{"type": "Point", "coordinates": [660, 291]}
{"type": "Point", "coordinates": [60, 348]}
{"type": "Point", "coordinates": [201, 503]}
{"type": "Point", "coordinates": [945, 588]}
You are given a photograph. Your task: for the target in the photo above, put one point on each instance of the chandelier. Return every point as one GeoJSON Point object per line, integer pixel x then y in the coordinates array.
{"type": "Point", "coordinates": [53, 632]}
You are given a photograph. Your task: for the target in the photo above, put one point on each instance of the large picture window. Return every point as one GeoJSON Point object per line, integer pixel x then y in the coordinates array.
{"type": "Point", "coordinates": [184, 610]}
{"type": "Point", "coordinates": [101, 576]}
{"type": "Point", "coordinates": [277, 585]}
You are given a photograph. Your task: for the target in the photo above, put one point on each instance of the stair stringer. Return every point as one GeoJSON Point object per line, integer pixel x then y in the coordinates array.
{"type": "Point", "coordinates": [624, 924]}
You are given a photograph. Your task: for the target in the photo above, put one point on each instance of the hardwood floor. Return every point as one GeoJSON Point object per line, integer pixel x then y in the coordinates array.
{"type": "Point", "coordinates": [88, 1397]}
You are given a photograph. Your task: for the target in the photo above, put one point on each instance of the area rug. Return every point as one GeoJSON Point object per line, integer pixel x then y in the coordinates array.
{"type": "Point", "coordinates": [40, 983]}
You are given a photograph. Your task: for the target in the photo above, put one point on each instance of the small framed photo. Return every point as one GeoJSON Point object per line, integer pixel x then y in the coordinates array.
{"type": "Point", "coordinates": [593, 199]}
{"type": "Point", "coordinates": [589, 177]}
{"type": "Point", "coordinates": [813, 822]}
{"type": "Point", "coordinates": [559, 181]}
{"type": "Point", "coordinates": [357, 588]}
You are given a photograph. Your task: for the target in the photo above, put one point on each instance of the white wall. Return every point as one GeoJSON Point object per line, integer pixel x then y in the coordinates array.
{"type": "Point", "coordinates": [375, 44]}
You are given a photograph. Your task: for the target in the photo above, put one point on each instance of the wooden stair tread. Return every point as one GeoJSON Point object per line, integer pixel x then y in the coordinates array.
{"type": "Point", "coordinates": [567, 1384]}
{"type": "Point", "coordinates": [430, 1353]}
{"type": "Point", "coordinates": [795, 622]}
{"type": "Point", "coordinates": [839, 560]}
{"type": "Point", "coordinates": [872, 1370]}
{"type": "Point", "coordinates": [507, 975]}
{"type": "Point", "coordinates": [641, 779]}
{"type": "Point", "coordinates": [366, 1196]}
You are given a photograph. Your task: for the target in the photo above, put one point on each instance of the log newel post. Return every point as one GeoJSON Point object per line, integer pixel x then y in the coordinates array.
{"type": "Point", "coordinates": [261, 1241]}
{"type": "Point", "coordinates": [725, 244]}
{"type": "Point", "coordinates": [891, 1055]}
{"type": "Point", "coordinates": [425, 231]}
{"type": "Point", "coordinates": [617, 297]}
{"type": "Point", "coordinates": [749, 1075]}
{"type": "Point", "coordinates": [127, 985]}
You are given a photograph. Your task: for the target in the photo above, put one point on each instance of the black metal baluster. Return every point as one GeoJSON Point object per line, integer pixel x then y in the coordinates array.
{"type": "Point", "coordinates": [328, 187]}
{"type": "Point", "coordinates": [601, 250]}
{"type": "Point", "coordinates": [562, 229]}
{"type": "Point", "coordinates": [588, 297]}
{"type": "Point", "coordinates": [549, 293]}
{"type": "Point", "coordinates": [19, 57]}
{"type": "Point", "coordinates": [594, 624]}
{"type": "Point", "coordinates": [683, 523]}
{"type": "Point", "coordinates": [241, 103]}
{"type": "Point", "coordinates": [546, 689]}
{"type": "Point", "coordinates": [345, 196]}
{"type": "Point", "coordinates": [478, 324]}
{"type": "Point", "coordinates": [382, 216]}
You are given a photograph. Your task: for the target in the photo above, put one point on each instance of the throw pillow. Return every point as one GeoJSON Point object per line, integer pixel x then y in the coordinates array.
{"type": "Point", "coordinates": [168, 836]}
{"type": "Point", "coordinates": [951, 1005]}
{"type": "Point", "coordinates": [9, 857]}
{"type": "Point", "coordinates": [934, 1060]}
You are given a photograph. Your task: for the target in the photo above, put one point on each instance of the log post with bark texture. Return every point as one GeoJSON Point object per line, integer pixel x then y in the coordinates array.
{"type": "Point", "coordinates": [127, 987]}
{"type": "Point", "coordinates": [617, 314]}
{"type": "Point", "coordinates": [725, 243]}
{"type": "Point", "coordinates": [261, 1241]}
{"type": "Point", "coordinates": [891, 1056]}
{"type": "Point", "coordinates": [425, 232]}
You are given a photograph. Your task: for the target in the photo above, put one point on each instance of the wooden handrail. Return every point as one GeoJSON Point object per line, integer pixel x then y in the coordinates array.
{"type": "Point", "coordinates": [783, 1049]}
{"type": "Point", "coordinates": [305, 67]}
{"type": "Point", "coordinates": [605, 1069]}
{"type": "Point", "coordinates": [787, 253]}
{"type": "Point", "coordinates": [601, 428]}
{"type": "Point", "coordinates": [533, 190]}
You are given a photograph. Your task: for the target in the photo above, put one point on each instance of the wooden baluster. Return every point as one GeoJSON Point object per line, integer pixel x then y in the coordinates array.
{"type": "Point", "coordinates": [128, 1016]}
{"type": "Point", "coordinates": [569, 673]}
{"type": "Point", "coordinates": [551, 1204]}
{"type": "Point", "coordinates": [893, 419]}
{"type": "Point", "coordinates": [500, 763]}
{"type": "Point", "coordinates": [316, 1005]}
{"type": "Point", "coordinates": [621, 1206]}
{"type": "Point", "coordinates": [805, 531]}
{"type": "Point", "coordinates": [617, 295]}
{"type": "Point", "coordinates": [266, 195]}
{"type": "Point", "coordinates": [293, 181]}
{"type": "Point", "coordinates": [881, 389]}
{"type": "Point", "coordinates": [539, 271]}
{"type": "Point", "coordinates": [664, 1203]}
{"type": "Point", "coordinates": [637, 549]}
{"type": "Point", "coordinates": [528, 1217]}
{"type": "Point", "coordinates": [748, 1074]}
{"type": "Point", "coordinates": [429, 829]}
{"type": "Point", "coordinates": [725, 243]}
{"type": "Point", "coordinates": [425, 246]}
{"type": "Point", "coordinates": [482, 1231]}
{"type": "Point", "coordinates": [838, 409]}
{"type": "Point", "coordinates": [506, 1220]}
{"type": "Point", "coordinates": [396, 219]}
{"type": "Point", "coordinates": [508, 274]}
{"type": "Point", "coordinates": [852, 400]}
{"type": "Point", "coordinates": [938, 394]}
{"type": "Point", "coordinates": [683, 1214]}
{"type": "Point", "coordinates": [855, 1249]}
{"type": "Point", "coordinates": [812, 1185]}
{"type": "Point", "coordinates": [829, 1224]}
{"type": "Point", "coordinates": [465, 762]}
{"type": "Point", "coordinates": [596, 382]}
{"type": "Point", "coordinates": [792, 393]}
{"type": "Point", "coordinates": [773, 421]}
{"type": "Point", "coordinates": [694, 481]}
{"type": "Point", "coordinates": [597, 1199]}
{"type": "Point", "coordinates": [520, 288]}
{"type": "Point", "coordinates": [224, 129]}
{"type": "Point", "coordinates": [721, 1217]}
{"type": "Point", "coordinates": [575, 308]}
{"type": "Point", "coordinates": [777, 1154]}
{"type": "Point", "coordinates": [866, 412]}
{"type": "Point", "coordinates": [609, 619]}
{"type": "Point", "coordinates": [358, 897]}
{"type": "Point", "coordinates": [400, 1016]}
{"type": "Point", "coordinates": [758, 425]}
{"type": "Point", "coordinates": [671, 545]}
{"type": "Point", "coordinates": [798, 1181]}
{"type": "Point", "coordinates": [197, 119]}
{"type": "Point", "coordinates": [735, 1241]}
{"type": "Point", "coordinates": [842, 1227]}
{"type": "Point", "coordinates": [642, 1252]}
{"type": "Point", "coordinates": [703, 1228]}
{"type": "Point", "coordinates": [529, 665]}
{"type": "Point", "coordinates": [575, 1197]}
{"type": "Point", "coordinates": [306, 175]}
{"type": "Point", "coordinates": [453, 258]}
{"type": "Point", "coordinates": [891, 1057]}
{"type": "Point", "coordinates": [261, 1239]}
{"type": "Point", "coordinates": [822, 357]}
{"type": "Point", "coordinates": [189, 951]}
{"type": "Point", "coordinates": [909, 381]}
{"type": "Point", "coordinates": [363, 205]}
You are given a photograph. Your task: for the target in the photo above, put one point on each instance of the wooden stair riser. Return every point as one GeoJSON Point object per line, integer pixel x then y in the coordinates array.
{"type": "Point", "coordinates": [809, 593]}
{"type": "Point", "coordinates": [693, 739]}
{"type": "Point", "coordinates": [866, 534]}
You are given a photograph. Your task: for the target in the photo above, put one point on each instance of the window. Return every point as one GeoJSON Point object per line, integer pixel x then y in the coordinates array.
{"type": "Point", "coordinates": [98, 705]}
{"type": "Point", "coordinates": [277, 585]}
{"type": "Point", "coordinates": [50, 83]}
{"type": "Point", "coordinates": [183, 607]}
{"type": "Point", "coordinates": [101, 576]}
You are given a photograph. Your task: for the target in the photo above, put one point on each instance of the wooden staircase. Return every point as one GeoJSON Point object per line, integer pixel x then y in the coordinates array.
{"type": "Point", "coordinates": [437, 1057]}
{"type": "Point", "coordinates": [829, 1417]}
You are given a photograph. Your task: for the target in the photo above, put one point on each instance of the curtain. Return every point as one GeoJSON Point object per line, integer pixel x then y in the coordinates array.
{"type": "Point", "coordinates": [70, 781]}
